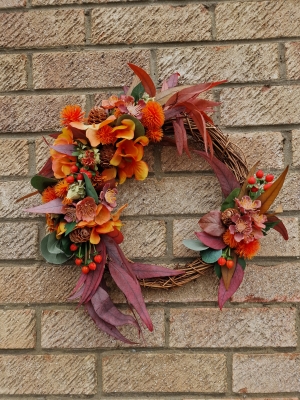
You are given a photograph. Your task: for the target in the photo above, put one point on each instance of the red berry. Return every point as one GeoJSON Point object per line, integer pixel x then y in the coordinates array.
{"type": "Point", "coordinates": [221, 261]}
{"type": "Point", "coordinates": [78, 261]}
{"type": "Point", "coordinates": [269, 178]}
{"type": "Point", "coordinates": [252, 180]}
{"type": "Point", "coordinates": [70, 179]}
{"type": "Point", "coordinates": [83, 170]}
{"type": "Point", "coordinates": [74, 168]}
{"type": "Point", "coordinates": [92, 266]}
{"type": "Point", "coordinates": [229, 264]}
{"type": "Point", "coordinates": [85, 269]}
{"type": "Point", "coordinates": [73, 247]}
{"type": "Point", "coordinates": [89, 174]}
{"type": "Point", "coordinates": [259, 174]}
{"type": "Point", "coordinates": [98, 258]}
{"type": "Point", "coordinates": [254, 189]}
{"type": "Point", "coordinates": [80, 177]}
{"type": "Point", "coordinates": [267, 186]}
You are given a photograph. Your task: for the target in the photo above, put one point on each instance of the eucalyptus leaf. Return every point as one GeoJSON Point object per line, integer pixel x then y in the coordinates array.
{"type": "Point", "coordinates": [242, 263]}
{"type": "Point", "coordinates": [52, 244]}
{"type": "Point", "coordinates": [138, 92]}
{"type": "Point", "coordinates": [90, 190]}
{"type": "Point", "coordinates": [40, 182]}
{"type": "Point", "coordinates": [139, 128]}
{"type": "Point", "coordinates": [229, 201]}
{"type": "Point", "coordinates": [52, 257]}
{"type": "Point", "coordinates": [194, 245]}
{"type": "Point", "coordinates": [210, 255]}
{"type": "Point", "coordinates": [217, 269]}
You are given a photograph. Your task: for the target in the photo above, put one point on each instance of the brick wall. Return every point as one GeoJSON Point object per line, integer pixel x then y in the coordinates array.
{"type": "Point", "coordinates": [55, 52]}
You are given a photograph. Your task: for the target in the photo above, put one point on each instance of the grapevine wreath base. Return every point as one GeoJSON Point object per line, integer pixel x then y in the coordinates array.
{"type": "Point", "coordinates": [92, 156]}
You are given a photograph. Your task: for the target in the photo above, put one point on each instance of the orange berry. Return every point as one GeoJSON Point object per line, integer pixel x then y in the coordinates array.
{"type": "Point", "coordinates": [85, 269]}
{"type": "Point", "coordinates": [229, 264]}
{"type": "Point", "coordinates": [92, 266]}
{"type": "Point", "coordinates": [221, 261]}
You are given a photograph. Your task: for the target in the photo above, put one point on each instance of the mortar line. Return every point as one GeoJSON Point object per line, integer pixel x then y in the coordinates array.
{"type": "Point", "coordinates": [229, 375]}
{"type": "Point", "coordinates": [211, 8]}
{"type": "Point", "coordinates": [87, 25]}
{"type": "Point", "coordinates": [167, 326]}
{"type": "Point", "coordinates": [287, 147]}
{"type": "Point", "coordinates": [38, 312]}
{"type": "Point", "coordinates": [153, 65]}
{"type": "Point", "coordinates": [29, 71]}
{"type": "Point", "coordinates": [32, 159]}
{"type": "Point", "coordinates": [282, 61]}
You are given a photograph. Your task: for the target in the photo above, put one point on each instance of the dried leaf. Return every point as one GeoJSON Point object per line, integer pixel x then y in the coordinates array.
{"type": "Point", "coordinates": [178, 137]}
{"type": "Point", "coordinates": [211, 241]}
{"type": "Point", "coordinates": [243, 191]}
{"type": "Point", "coordinates": [163, 97]}
{"type": "Point", "coordinates": [26, 196]}
{"type": "Point", "coordinates": [145, 271]}
{"type": "Point", "coordinates": [279, 227]}
{"type": "Point", "coordinates": [236, 280]}
{"type": "Point", "coordinates": [146, 80]}
{"type": "Point", "coordinates": [267, 198]}
{"type": "Point", "coordinates": [211, 223]}
{"type": "Point", "coordinates": [47, 169]}
{"type": "Point", "coordinates": [164, 86]}
{"type": "Point", "coordinates": [52, 207]}
{"type": "Point", "coordinates": [227, 273]}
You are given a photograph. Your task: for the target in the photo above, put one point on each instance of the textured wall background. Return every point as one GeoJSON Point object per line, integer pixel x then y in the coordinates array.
{"type": "Point", "coordinates": [55, 52]}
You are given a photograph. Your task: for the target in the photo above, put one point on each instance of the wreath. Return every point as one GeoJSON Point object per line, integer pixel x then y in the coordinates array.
{"type": "Point", "coordinates": [92, 156]}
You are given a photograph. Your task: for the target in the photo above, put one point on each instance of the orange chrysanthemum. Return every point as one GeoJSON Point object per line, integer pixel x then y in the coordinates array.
{"type": "Point", "coordinates": [48, 194]}
{"type": "Point", "coordinates": [51, 225]}
{"type": "Point", "coordinates": [106, 135]}
{"type": "Point", "coordinates": [67, 201]}
{"type": "Point", "coordinates": [117, 113]}
{"type": "Point", "coordinates": [71, 113]}
{"type": "Point", "coordinates": [61, 188]}
{"type": "Point", "coordinates": [228, 239]}
{"type": "Point", "coordinates": [153, 115]}
{"type": "Point", "coordinates": [155, 135]}
{"type": "Point", "coordinates": [247, 250]}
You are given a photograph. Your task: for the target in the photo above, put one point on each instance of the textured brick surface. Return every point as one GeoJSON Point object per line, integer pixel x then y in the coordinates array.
{"type": "Point", "coordinates": [34, 113]}
{"type": "Point", "coordinates": [54, 2]}
{"type": "Point", "coordinates": [241, 63]}
{"type": "Point", "coordinates": [184, 229]}
{"type": "Point", "coordinates": [244, 328]}
{"type": "Point", "coordinates": [296, 147]}
{"type": "Point", "coordinates": [86, 69]}
{"type": "Point", "coordinates": [144, 238]}
{"type": "Point", "coordinates": [252, 20]}
{"type": "Point", "coordinates": [196, 194]}
{"type": "Point", "coordinates": [12, 3]}
{"type": "Point", "coordinates": [289, 194]}
{"type": "Point", "coordinates": [277, 283]}
{"type": "Point", "coordinates": [151, 24]}
{"type": "Point", "coordinates": [17, 329]}
{"type": "Point", "coordinates": [42, 151]}
{"type": "Point", "coordinates": [164, 373]}
{"type": "Point", "coordinates": [266, 373]}
{"type": "Point", "coordinates": [75, 329]}
{"type": "Point", "coordinates": [292, 56]}
{"type": "Point", "coordinates": [37, 284]}
{"type": "Point", "coordinates": [18, 240]}
{"type": "Point", "coordinates": [14, 155]}
{"type": "Point", "coordinates": [53, 374]}
{"type": "Point", "coordinates": [13, 72]}
{"type": "Point", "coordinates": [260, 105]}
{"type": "Point", "coordinates": [47, 28]}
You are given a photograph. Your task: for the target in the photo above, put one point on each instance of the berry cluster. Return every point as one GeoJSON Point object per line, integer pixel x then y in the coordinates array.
{"type": "Point", "coordinates": [228, 262]}
{"type": "Point", "coordinates": [77, 175]}
{"type": "Point", "coordinates": [89, 265]}
{"type": "Point", "coordinates": [259, 183]}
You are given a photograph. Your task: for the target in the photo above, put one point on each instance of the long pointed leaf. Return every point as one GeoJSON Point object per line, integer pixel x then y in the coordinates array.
{"type": "Point", "coordinates": [145, 271]}
{"type": "Point", "coordinates": [67, 149]}
{"type": "Point", "coordinates": [227, 273]}
{"type": "Point", "coordinates": [164, 96]}
{"type": "Point", "coordinates": [243, 191]}
{"type": "Point", "coordinates": [101, 248]}
{"type": "Point", "coordinates": [279, 227]}
{"type": "Point", "coordinates": [178, 137]}
{"type": "Point", "coordinates": [47, 169]}
{"type": "Point", "coordinates": [145, 78]}
{"type": "Point", "coordinates": [52, 207]}
{"type": "Point", "coordinates": [184, 136]}
{"type": "Point", "coordinates": [236, 280]}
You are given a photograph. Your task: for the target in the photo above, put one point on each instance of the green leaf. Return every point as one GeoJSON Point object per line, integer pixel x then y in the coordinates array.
{"type": "Point", "coordinates": [69, 227]}
{"type": "Point", "coordinates": [40, 182]}
{"type": "Point", "coordinates": [229, 201]}
{"type": "Point", "coordinates": [64, 245]}
{"type": "Point", "coordinates": [194, 245]}
{"type": "Point", "coordinates": [138, 92]}
{"type": "Point", "coordinates": [52, 257]}
{"type": "Point", "coordinates": [218, 271]}
{"type": "Point", "coordinates": [75, 153]}
{"type": "Point", "coordinates": [90, 190]}
{"type": "Point", "coordinates": [210, 255]}
{"type": "Point", "coordinates": [242, 263]}
{"type": "Point", "coordinates": [270, 225]}
{"type": "Point", "coordinates": [52, 244]}
{"type": "Point", "coordinates": [139, 128]}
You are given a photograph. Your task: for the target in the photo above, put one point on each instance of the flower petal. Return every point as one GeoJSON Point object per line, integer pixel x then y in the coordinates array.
{"type": "Point", "coordinates": [103, 216]}
{"type": "Point", "coordinates": [127, 130]}
{"type": "Point", "coordinates": [95, 237]}
{"type": "Point", "coordinates": [140, 170]}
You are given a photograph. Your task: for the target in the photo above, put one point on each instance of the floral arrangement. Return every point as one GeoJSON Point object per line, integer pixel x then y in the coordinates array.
{"type": "Point", "coordinates": [231, 235]}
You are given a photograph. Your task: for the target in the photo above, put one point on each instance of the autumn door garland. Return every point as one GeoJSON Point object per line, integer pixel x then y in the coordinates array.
{"type": "Point", "coordinates": [90, 157]}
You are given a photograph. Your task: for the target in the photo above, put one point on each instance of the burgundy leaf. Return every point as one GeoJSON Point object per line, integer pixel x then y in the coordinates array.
{"type": "Point", "coordinates": [77, 133]}
{"type": "Point", "coordinates": [205, 105]}
{"type": "Point", "coordinates": [184, 136]}
{"type": "Point", "coordinates": [145, 271]}
{"type": "Point", "coordinates": [235, 282]}
{"type": "Point", "coordinates": [178, 134]}
{"type": "Point", "coordinates": [47, 169]}
{"type": "Point", "coordinates": [120, 270]}
{"type": "Point", "coordinates": [201, 125]}
{"type": "Point", "coordinates": [79, 283]}
{"type": "Point", "coordinates": [173, 80]}
{"type": "Point", "coordinates": [280, 227]}
{"type": "Point", "coordinates": [214, 242]}
{"type": "Point", "coordinates": [101, 249]}
{"type": "Point", "coordinates": [107, 311]}
{"type": "Point", "coordinates": [54, 135]}
{"type": "Point", "coordinates": [211, 223]}
{"type": "Point", "coordinates": [226, 178]}
{"type": "Point", "coordinates": [105, 326]}
{"type": "Point", "coordinates": [67, 149]}
{"type": "Point", "coordinates": [52, 207]}
{"type": "Point", "coordinates": [144, 77]}
{"type": "Point", "coordinates": [173, 112]}
{"type": "Point", "coordinates": [78, 294]}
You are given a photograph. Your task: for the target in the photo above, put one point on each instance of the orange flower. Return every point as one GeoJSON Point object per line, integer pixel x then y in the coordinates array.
{"type": "Point", "coordinates": [153, 115]}
{"type": "Point", "coordinates": [106, 135]}
{"type": "Point", "coordinates": [67, 201]}
{"type": "Point", "coordinates": [61, 163]}
{"type": "Point", "coordinates": [48, 194]}
{"type": "Point", "coordinates": [71, 113]}
{"type": "Point", "coordinates": [247, 250]}
{"type": "Point", "coordinates": [50, 223]}
{"type": "Point", "coordinates": [228, 239]}
{"type": "Point", "coordinates": [61, 188]}
{"type": "Point", "coordinates": [155, 135]}
{"type": "Point", "coordinates": [93, 132]}
{"type": "Point", "coordinates": [86, 209]}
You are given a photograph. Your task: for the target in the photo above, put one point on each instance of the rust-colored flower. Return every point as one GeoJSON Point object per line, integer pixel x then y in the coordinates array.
{"type": "Point", "coordinates": [228, 239]}
{"type": "Point", "coordinates": [61, 163]}
{"type": "Point", "coordinates": [155, 135]}
{"type": "Point", "coordinates": [51, 223]}
{"type": "Point", "coordinates": [61, 188]}
{"type": "Point", "coordinates": [106, 135]}
{"type": "Point", "coordinates": [48, 194]}
{"type": "Point", "coordinates": [153, 115]}
{"type": "Point", "coordinates": [247, 250]}
{"type": "Point", "coordinates": [71, 113]}
{"type": "Point", "coordinates": [86, 209]}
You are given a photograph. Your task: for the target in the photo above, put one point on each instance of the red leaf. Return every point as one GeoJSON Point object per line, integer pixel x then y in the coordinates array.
{"type": "Point", "coordinates": [227, 180]}
{"type": "Point", "coordinates": [235, 282]}
{"type": "Point", "coordinates": [146, 80]}
{"type": "Point", "coordinates": [52, 207]}
{"type": "Point", "coordinates": [173, 112]}
{"type": "Point", "coordinates": [214, 242]}
{"type": "Point", "coordinates": [280, 227]}
{"type": "Point", "coordinates": [201, 125]}
{"type": "Point", "coordinates": [77, 133]}
{"type": "Point", "coordinates": [205, 105]}
{"type": "Point", "coordinates": [47, 169]}
{"type": "Point", "coordinates": [116, 235]}
{"type": "Point", "coordinates": [105, 326]}
{"type": "Point", "coordinates": [54, 135]}
{"type": "Point", "coordinates": [145, 271]}
{"type": "Point", "coordinates": [211, 223]}
{"type": "Point", "coordinates": [119, 269]}
{"type": "Point", "coordinates": [67, 149]}
{"type": "Point", "coordinates": [178, 137]}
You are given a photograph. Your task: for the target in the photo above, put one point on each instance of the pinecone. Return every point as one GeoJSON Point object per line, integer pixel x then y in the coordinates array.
{"type": "Point", "coordinates": [96, 115]}
{"type": "Point", "coordinates": [227, 214]}
{"type": "Point", "coordinates": [80, 235]}
{"type": "Point", "coordinates": [106, 154]}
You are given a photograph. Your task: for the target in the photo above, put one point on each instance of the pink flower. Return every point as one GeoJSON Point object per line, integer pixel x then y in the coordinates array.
{"type": "Point", "coordinates": [258, 220]}
{"type": "Point", "coordinates": [247, 204]}
{"type": "Point", "coordinates": [108, 197]}
{"type": "Point", "coordinates": [86, 209]}
{"type": "Point", "coordinates": [242, 227]}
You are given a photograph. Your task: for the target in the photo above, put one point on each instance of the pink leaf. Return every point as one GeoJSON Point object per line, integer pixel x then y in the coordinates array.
{"type": "Point", "coordinates": [173, 80]}
{"type": "Point", "coordinates": [67, 149]}
{"type": "Point", "coordinates": [235, 282]}
{"type": "Point", "coordinates": [178, 137]}
{"type": "Point", "coordinates": [211, 223]}
{"type": "Point", "coordinates": [145, 271]}
{"type": "Point", "coordinates": [215, 243]}
{"type": "Point", "coordinates": [164, 86]}
{"type": "Point", "coordinates": [226, 178]}
{"type": "Point", "coordinates": [52, 207]}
